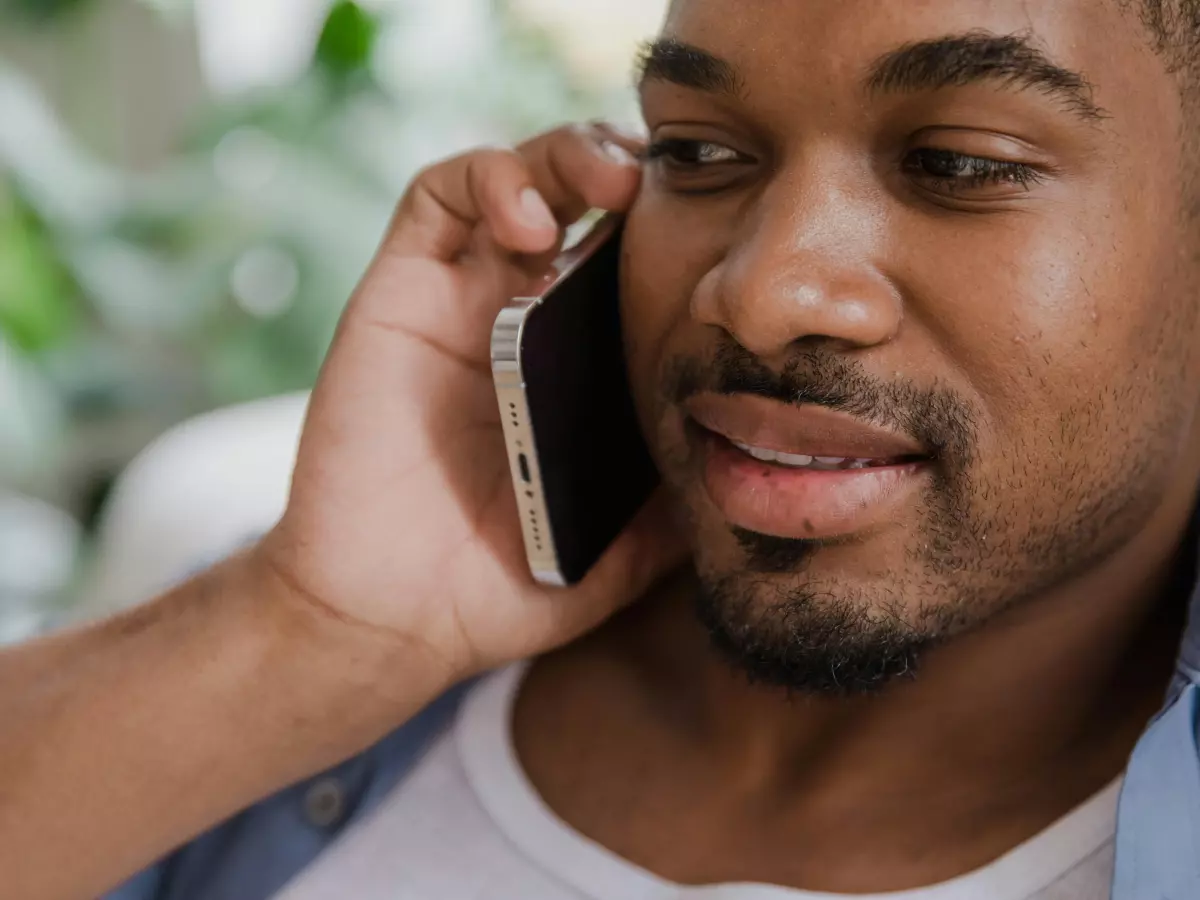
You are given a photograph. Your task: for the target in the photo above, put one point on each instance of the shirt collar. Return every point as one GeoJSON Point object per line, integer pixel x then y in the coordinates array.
{"type": "Point", "coordinates": [1189, 654]}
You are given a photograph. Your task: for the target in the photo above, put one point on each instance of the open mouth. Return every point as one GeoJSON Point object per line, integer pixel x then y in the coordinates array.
{"type": "Point", "coordinates": [800, 437]}
{"type": "Point", "coordinates": [824, 463]}
{"type": "Point", "coordinates": [802, 472]}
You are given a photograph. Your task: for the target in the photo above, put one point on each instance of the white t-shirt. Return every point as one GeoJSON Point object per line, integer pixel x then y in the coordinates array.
{"type": "Point", "coordinates": [466, 824]}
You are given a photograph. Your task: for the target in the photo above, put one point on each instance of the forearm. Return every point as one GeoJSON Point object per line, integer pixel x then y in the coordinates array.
{"type": "Point", "coordinates": [121, 741]}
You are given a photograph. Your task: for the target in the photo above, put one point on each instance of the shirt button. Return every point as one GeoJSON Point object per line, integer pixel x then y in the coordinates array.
{"type": "Point", "coordinates": [325, 803]}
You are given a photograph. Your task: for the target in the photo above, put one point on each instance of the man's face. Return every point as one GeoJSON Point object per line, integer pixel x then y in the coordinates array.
{"type": "Point", "coordinates": [940, 246]}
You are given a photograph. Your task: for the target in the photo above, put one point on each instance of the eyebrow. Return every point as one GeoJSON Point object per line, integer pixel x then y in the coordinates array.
{"type": "Point", "coordinates": [675, 62]}
{"type": "Point", "coordinates": [953, 61]}
{"type": "Point", "coordinates": [977, 57]}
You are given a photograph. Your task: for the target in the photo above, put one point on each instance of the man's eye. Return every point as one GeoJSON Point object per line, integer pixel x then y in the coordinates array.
{"type": "Point", "coordinates": [950, 171]}
{"type": "Point", "coordinates": [684, 154]}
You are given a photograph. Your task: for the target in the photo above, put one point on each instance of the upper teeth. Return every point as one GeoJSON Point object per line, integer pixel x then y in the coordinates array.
{"type": "Point", "coordinates": [795, 459]}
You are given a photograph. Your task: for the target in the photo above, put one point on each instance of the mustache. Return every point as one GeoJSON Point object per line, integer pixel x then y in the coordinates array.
{"type": "Point", "coordinates": [937, 418]}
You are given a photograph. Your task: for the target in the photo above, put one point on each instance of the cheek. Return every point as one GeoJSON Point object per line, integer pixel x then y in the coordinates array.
{"type": "Point", "coordinates": [662, 261]}
{"type": "Point", "coordinates": [1063, 335]}
{"type": "Point", "coordinates": [1029, 315]}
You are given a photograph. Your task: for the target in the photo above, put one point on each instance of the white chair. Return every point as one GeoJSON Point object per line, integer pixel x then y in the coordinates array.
{"type": "Point", "coordinates": [195, 495]}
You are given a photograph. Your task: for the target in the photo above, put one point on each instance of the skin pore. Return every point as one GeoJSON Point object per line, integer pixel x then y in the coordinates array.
{"type": "Point", "coordinates": [964, 224]}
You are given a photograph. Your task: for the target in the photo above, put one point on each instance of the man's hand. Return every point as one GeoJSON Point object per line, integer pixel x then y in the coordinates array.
{"type": "Point", "coordinates": [397, 569]}
{"type": "Point", "coordinates": [402, 518]}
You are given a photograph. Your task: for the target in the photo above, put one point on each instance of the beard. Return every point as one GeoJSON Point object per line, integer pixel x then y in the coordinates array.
{"type": "Point", "coordinates": [810, 638]}
{"type": "Point", "coordinates": [808, 616]}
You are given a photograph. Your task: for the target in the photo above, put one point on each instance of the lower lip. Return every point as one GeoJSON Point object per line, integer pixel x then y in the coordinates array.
{"type": "Point", "coordinates": [802, 503]}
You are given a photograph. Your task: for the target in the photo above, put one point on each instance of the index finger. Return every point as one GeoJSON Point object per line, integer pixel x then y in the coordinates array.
{"type": "Point", "coordinates": [569, 170]}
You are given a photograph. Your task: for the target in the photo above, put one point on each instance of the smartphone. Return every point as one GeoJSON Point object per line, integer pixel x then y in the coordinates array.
{"type": "Point", "coordinates": [579, 464]}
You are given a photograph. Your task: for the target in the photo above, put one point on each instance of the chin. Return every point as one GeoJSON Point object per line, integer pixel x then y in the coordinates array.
{"type": "Point", "coordinates": [811, 636]}
{"type": "Point", "coordinates": [809, 616]}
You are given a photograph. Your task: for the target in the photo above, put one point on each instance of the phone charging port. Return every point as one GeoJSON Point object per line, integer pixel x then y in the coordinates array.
{"type": "Point", "coordinates": [523, 463]}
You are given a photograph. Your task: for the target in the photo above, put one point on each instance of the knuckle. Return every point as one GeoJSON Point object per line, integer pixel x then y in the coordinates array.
{"type": "Point", "coordinates": [476, 159]}
{"type": "Point", "coordinates": [571, 130]}
{"type": "Point", "coordinates": [429, 172]}
{"type": "Point", "coordinates": [419, 178]}
{"type": "Point", "coordinates": [569, 139]}
{"type": "Point", "coordinates": [487, 165]}
{"type": "Point", "coordinates": [424, 178]}
{"type": "Point", "coordinates": [491, 155]}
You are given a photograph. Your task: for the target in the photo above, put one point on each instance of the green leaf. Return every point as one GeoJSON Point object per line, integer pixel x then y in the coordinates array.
{"type": "Point", "coordinates": [41, 10]}
{"type": "Point", "coordinates": [347, 39]}
{"type": "Point", "coordinates": [36, 302]}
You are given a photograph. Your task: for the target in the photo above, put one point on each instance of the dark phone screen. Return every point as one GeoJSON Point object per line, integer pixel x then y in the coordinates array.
{"type": "Point", "coordinates": [596, 470]}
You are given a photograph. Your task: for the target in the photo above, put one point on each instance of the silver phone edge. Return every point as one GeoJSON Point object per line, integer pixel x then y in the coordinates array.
{"type": "Point", "coordinates": [519, 437]}
{"type": "Point", "coordinates": [519, 440]}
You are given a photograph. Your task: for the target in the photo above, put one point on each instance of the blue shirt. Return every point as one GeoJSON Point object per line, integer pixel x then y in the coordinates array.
{"type": "Point", "coordinates": [257, 852]}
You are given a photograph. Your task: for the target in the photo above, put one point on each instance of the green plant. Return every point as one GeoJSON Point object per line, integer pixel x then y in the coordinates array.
{"type": "Point", "coordinates": [136, 299]}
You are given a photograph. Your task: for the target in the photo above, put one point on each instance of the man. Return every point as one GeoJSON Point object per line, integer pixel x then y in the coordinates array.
{"type": "Point", "coordinates": [910, 294]}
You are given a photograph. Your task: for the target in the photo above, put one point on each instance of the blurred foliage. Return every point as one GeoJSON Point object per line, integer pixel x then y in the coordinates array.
{"type": "Point", "coordinates": [130, 301]}
{"type": "Point", "coordinates": [37, 302]}
{"type": "Point", "coordinates": [41, 10]}
{"type": "Point", "coordinates": [347, 39]}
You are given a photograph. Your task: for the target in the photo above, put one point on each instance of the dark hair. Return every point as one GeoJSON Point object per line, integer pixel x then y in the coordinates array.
{"type": "Point", "coordinates": [1175, 26]}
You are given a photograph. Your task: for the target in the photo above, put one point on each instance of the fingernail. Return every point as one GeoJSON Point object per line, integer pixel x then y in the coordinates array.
{"type": "Point", "coordinates": [617, 153]}
{"type": "Point", "coordinates": [534, 211]}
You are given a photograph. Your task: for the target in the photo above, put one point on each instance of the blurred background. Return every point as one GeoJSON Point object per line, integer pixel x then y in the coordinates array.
{"type": "Point", "coordinates": [189, 190]}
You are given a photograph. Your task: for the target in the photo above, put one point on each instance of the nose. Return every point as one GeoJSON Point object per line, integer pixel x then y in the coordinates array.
{"type": "Point", "coordinates": [803, 265]}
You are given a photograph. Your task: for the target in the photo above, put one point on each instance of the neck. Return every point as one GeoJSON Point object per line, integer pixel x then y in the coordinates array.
{"type": "Point", "coordinates": [1008, 727]}
{"type": "Point", "coordinates": [1072, 675]}
{"type": "Point", "coordinates": [1029, 694]}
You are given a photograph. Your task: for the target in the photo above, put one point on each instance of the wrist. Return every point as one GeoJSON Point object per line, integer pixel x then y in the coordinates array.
{"type": "Point", "coordinates": [349, 682]}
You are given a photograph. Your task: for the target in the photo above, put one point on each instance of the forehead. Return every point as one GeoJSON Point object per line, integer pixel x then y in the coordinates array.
{"type": "Point", "coordinates": [821, 46]}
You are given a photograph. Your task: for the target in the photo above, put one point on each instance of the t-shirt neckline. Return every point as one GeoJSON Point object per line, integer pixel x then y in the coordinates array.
{"type": "Point", "coordinates": [483, 737]}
